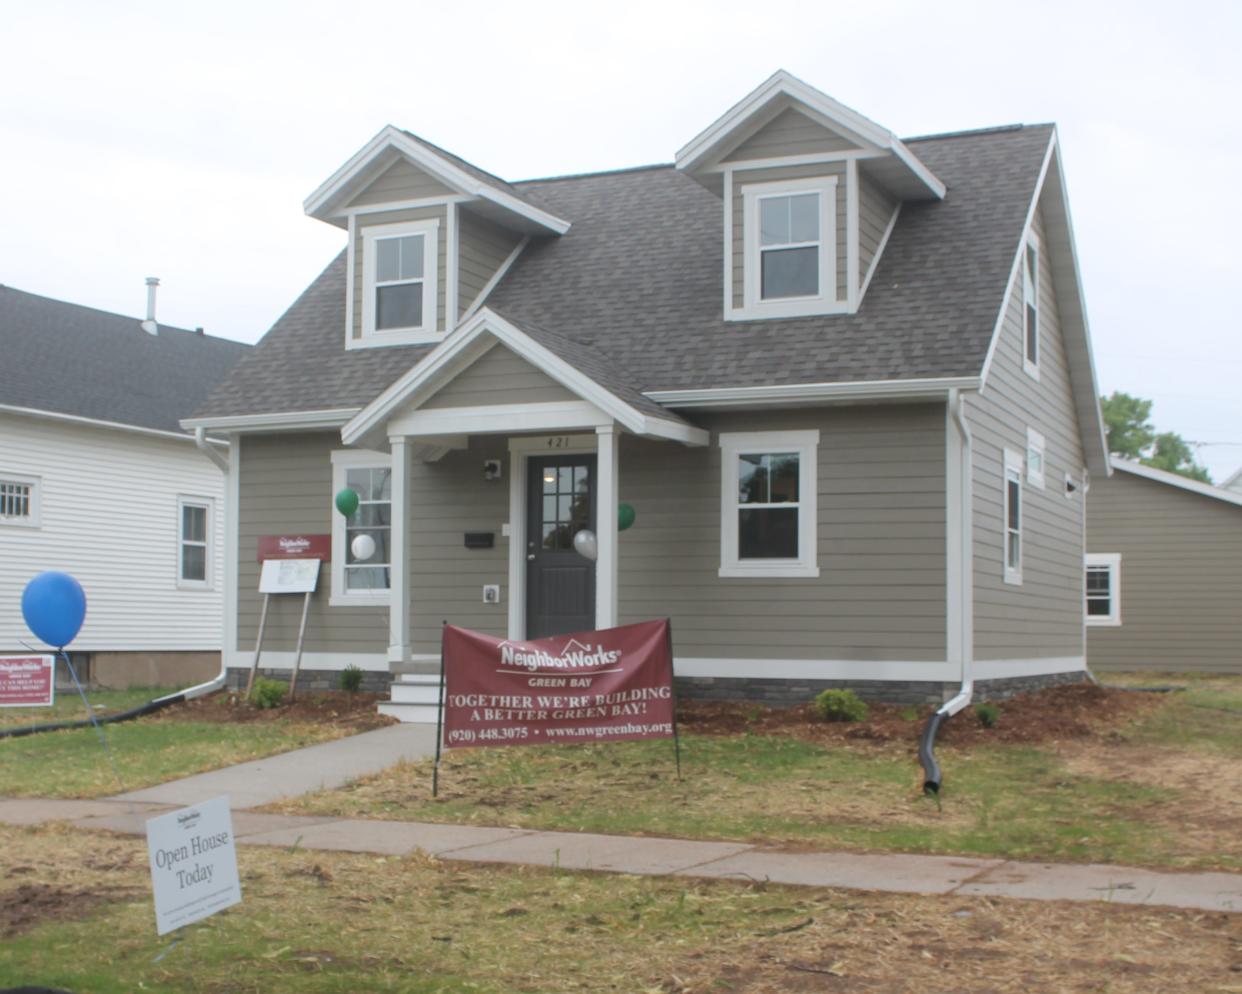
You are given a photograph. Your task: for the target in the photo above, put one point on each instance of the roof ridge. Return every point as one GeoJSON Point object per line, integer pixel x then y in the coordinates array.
{"type": "Point", "coordinates": [968, 132]}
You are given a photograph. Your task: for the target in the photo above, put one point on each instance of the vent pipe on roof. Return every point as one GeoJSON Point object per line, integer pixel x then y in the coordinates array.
{"type": "Point", "coordinates": [149, 325]}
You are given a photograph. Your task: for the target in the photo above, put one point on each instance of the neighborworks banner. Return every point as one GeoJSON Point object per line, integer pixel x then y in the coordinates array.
{"type": "Point", "coordinates": [586, 687]}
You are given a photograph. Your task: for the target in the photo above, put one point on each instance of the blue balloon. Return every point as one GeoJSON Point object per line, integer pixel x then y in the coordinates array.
{"type": "Point", "coordinates": [54, 606]}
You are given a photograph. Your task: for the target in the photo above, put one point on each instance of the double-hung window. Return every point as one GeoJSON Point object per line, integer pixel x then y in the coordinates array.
{"type": "Point", "coordinates": [1103, 589]}
{"type": "Point", "coordinates": [360, 579]}
{"type": "Point", "coordinates": [1012, 517]}
{"type": "Point", "coordinates": [399, 282]}
{"type": "Point", "coordinates": [789, 232]}
{"type": "Point", "coordinates": [19, 500]}
{"type": "Point", "coordinates": [194, 542]}
{"type": "Point", "coordinates": [768, 504]}
{"type": "Point", "coordinates": [1030, 306]}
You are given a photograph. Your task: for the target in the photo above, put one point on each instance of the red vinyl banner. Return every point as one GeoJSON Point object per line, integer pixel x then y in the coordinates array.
{"type": "Point", "coordinates": [602, 686]}
{"type": "Point", "coordinates": [294, 547]}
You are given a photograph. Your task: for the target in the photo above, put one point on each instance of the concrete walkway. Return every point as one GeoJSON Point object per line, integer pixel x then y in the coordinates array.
{"type": "Point", "coordinates": [331, 764]}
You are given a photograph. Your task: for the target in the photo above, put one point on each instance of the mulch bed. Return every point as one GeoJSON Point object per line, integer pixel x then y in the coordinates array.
{"type": "Point", "coordinates": [355, 711]}
{"type": "Point", "coordinates": [1073, 711]}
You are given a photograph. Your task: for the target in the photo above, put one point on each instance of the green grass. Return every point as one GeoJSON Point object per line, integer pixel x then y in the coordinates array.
{"type": "Point", "coordinates": [68, 705]}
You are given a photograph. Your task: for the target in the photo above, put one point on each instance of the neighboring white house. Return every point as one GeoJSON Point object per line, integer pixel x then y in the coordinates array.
{"type": "Point", "coordinates": [98, 480]}
{"type": "Point", "coordinates": [1234, 482]}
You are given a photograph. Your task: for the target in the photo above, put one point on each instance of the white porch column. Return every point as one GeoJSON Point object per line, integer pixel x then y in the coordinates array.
{"type": "Point", "coordinates": [606, 527]}
{"type": "Point", "coordinates": [399, 561]}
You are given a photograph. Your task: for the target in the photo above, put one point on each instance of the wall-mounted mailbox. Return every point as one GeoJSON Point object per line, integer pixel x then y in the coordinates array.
{"type": "Point", "coordinates": [480, 540]}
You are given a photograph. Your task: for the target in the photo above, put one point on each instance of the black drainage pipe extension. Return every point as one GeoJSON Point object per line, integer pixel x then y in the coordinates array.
{"type": "Point", "coordinates": [57, 726]}
{"type": "Point", "coordinates": [931, 769]}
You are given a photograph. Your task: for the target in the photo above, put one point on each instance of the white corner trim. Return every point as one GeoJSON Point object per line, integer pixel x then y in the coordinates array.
{"type": "Point", "coordinates": [728, 245]}
{"type": "Point", "coordinates": [807, 393]}
{"type": "Point", "coordinates": [879, 251]}
{"type": "Point", "coordinates": [1176, 480]}
{"type": "Point", "coordinates": [232, 541]}
{"type": "Point", "coordinates": [451, 267]}
{"type": "Point", "coordinates": [497, 276]}
{"type": "Point", "coordinates": [275, 421]}
{"type": "Point", "coordinates": [852, 196]}
{"type": "Point", "coordinates": [352, 230]}
{"type": "Point", "coordinates": [31, 412]}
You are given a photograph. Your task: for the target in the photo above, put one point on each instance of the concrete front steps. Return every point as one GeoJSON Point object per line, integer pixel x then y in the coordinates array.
{"type": "Point", "coordinates": [413, 698]}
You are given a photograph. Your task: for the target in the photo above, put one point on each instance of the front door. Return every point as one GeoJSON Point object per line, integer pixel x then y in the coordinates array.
{"type": "Point", "coordinates": [560, 582]}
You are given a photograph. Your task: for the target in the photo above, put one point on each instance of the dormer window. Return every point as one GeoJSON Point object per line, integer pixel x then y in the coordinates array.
{"type": "Point", "coordinates": [789, 232]}
{"type": "Point", "coordinates": [399, 282]}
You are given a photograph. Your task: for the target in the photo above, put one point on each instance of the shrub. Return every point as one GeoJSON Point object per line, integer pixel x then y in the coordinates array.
{"type": "Point", "coordinates": [987, 713]}
{"type": "Point", "coordinates": [267, 693]}
{"type": "Point", "coordinates": [841, 705]}
{"type": "Point", "coordinates": [350, 679]}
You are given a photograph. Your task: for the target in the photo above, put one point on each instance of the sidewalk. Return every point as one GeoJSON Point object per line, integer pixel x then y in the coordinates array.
{"type": "Point", "coordinates": [330, 764]}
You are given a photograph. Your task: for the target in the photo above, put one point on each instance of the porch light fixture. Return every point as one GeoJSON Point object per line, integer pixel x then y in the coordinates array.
{"type": "Point", "coordinates": [549, 476]}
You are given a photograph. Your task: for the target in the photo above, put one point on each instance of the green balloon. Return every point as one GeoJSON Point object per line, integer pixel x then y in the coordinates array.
{"type": "Point", "coordinates": [625, 516]}
{"type": "Point", "coordinates": [347, 502]}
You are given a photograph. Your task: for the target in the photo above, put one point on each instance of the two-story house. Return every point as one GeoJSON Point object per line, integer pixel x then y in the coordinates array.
{"type": "Point", "coordinates": [843, 380]}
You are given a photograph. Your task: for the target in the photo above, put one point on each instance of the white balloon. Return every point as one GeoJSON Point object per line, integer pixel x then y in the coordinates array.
{"type": "Point", "coordinates": [363, 547]}
{"type": "Point", "coordinates": [585, 544]}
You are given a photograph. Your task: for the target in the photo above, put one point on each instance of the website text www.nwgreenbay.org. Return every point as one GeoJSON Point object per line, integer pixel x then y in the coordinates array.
{"type": "Point", "coordinates": [608, 731]}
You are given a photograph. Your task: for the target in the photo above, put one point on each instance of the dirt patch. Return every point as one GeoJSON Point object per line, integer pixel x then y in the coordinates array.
{"type": "Point", "coordinates": [356, 712]}
{"type": "Point", "coordinates": [34, 904]}
{"type": "Point", "coordinates": [1075, 711]}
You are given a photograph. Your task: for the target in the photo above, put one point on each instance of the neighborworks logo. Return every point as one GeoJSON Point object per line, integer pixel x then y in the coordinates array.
{"type": "Point", "coordinates": [575, 655]}
{"type": "Point", "coordinates": [293, 546]}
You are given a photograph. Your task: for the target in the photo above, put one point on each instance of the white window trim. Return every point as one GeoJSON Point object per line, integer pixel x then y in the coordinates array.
{"type": "Point", "coordinates": [826, 301]}
{"type": "Point", "coordinates": [1035, 444]}
{"type": "Point", "coordinates": [427, 332]}
{"type": "Point", "coordinates": [1030, 295]}
{"type": "Point", "coordinates": [343, 459]}
{"type": "Point", "coordinates": [34, 518]}
{"type": "Point", "coordinates": [1111, 560]}
{"type": "Point", "coordinates": [1012, 471]}
{"type": "Point", "coordinates": [208, 543]}
{"type": "Point", "coordinates": [735, 444]}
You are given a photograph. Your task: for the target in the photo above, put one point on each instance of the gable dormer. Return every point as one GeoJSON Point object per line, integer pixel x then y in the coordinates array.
{"type": "Point", "coordinates": [810, 190]}
{"type": "Point", "coordinates": [429, 234]}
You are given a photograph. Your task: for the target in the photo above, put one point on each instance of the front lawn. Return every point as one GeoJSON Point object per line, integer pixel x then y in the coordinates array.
{"type": "Point", "coordinates": [178, 741]}
{"type": "Point", "coordinates": [1069, 774]}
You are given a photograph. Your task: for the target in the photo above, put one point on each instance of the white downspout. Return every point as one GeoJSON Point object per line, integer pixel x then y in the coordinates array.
{"type": "Point", "coordinates": [209, 450]}
{"type": "Point", "coordinates": [966, 586]}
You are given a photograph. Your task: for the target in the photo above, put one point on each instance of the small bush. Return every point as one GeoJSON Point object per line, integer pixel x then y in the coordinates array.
{"type": "Point", "coordinates": [350, 679]}
{"type": "Point", "coordinates": [987, 713]}
{"type": "Point", "coordinates": [841, 705]}
{"type": "Point", "coordinates": [267, 693]}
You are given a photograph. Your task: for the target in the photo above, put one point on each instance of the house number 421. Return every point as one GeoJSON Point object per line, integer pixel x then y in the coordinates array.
{"type": "Point", "coordinates": [558, 442]}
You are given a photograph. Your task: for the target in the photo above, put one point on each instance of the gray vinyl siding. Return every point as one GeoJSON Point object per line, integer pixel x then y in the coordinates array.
{"type": "Point", "coordinates": [875, 210]}
{"type": "Point", "coordinates": [789, 133]}
{"type": "Point", "coordinates": [499, 377]}
{"type": "Point", "coordinates": [1042, 617]}
{"type": "Point", "coordinates": [286, 489]}
{"type": "Point", "coordinates": [482, 247]}
{"type": "Point", "coordinates": [447, 499]}
{"type": "Point", "coordinates": [881, 536]}
{"type": "Point", "coordinates": [402, 181]}
{"type": "Point", "coordinates": [746, 177]}
{"type": "Point", "coordinates": [366, 221]}
{"type": "Point", "coordinates": [1180, 577]}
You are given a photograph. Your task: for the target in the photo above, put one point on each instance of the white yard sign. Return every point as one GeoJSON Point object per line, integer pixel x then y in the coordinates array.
{"type": "Point", "coordinates": [289, 576]}
{"type": "Point", "coordinates": [193, 863]}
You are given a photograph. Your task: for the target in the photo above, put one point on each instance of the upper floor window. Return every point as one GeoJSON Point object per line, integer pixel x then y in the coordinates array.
{"type": "Point", "coordinates": [789, 246]}
{"type": "Point", "coordinates": [1103, 589]}
{"type": "Point", "coordinates": [19, 500]}
{"type": "Point", "coordinates": [399, 281]}
{"type": "Point", "coordinates": [1030, 306]}
{"type": "Point", "coordinates": [768, 503]}
{"type": "Point", "coordinates": [1036, 461]}
{"type": "Point", "coordinates": [362, 579]}
{"type": "Point", "coordinates": [1013, 517]}
{"type": "Point", "coordinates": [193, 542]}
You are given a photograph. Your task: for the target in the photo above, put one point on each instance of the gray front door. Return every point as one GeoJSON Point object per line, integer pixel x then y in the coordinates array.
{"type": "Point", "coordinates": [560, 583]}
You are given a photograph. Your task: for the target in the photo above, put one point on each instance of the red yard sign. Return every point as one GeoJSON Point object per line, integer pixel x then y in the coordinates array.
{"type": "Point", "coordinates": [26, 681]}
{"type": "Point", "coordinates": [294, 547]}
{"type": "Point", "coordinates": [589, 686]}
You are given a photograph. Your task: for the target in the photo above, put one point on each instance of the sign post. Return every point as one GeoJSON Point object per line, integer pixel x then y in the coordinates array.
{"type": "Point", "coordinates": [290, 566]}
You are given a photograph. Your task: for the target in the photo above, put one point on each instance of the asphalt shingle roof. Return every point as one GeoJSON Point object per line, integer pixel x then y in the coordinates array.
{"type": "Point", "coordinates": [637, 281]}
{"type": "Point", "coordinates": [69, 359]}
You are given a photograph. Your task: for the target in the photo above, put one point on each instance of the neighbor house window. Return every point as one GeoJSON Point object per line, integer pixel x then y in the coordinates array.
{"type": "Point", "coordinates": [358, 580]}
{"type": "Point", "coordinates": [1030, 306]}
{"type": "Point", "coordinates": [1012, 519]}
{"type": "Point", "coordinates": [19, 500]}
{"type": "Point", "coordinates": [768, 504]}
{"type": "Point", "coordinates": [399, 281]}
{"type": "Point", "coordinates": [1103, 588]}
{"type": "Point", "coordinates": [194, 542]}
{"type": "Point", "coordinates": [789, 231]}
{"type": "Point", "coordinates": [1035, 460]}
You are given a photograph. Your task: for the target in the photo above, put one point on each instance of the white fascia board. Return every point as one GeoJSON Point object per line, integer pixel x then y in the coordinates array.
{"type": "Point", "coordinates": [486, 322]}
{"type": "Point", "coordinates": [1175, 480]}
{"type": "Point", "coordinates": [701, 149]}
{"type": "Point", "coordinates": [32, 412]}
{"type": "Point", "coordinates": [806, 393]}
{"type": "Point", "coordinates": [277, 421]}
{"type": "Point", "coordinates": [318, 204]}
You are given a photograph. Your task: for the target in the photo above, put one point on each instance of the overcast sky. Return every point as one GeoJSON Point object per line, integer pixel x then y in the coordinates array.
{"type": "Point", "coordinates": [179, 140]}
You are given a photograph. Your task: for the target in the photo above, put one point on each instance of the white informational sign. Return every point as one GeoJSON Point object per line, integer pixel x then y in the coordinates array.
{"type": "Point", "coordinates": [289, 576]}
{"type": "Point", "coordinates": [193, 863]}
